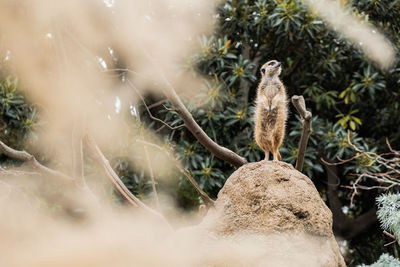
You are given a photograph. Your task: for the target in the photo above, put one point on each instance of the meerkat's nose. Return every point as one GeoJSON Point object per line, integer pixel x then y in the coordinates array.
{"type": "Point", "coordinates": [278, 64]}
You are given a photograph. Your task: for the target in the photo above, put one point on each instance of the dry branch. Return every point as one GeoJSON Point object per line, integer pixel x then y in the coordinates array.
{"type": "Point", "coordinates": [30, 159]}
{"type": "Point", "coordinates": [300, 105]}
{"type": "Point", "coordinates": [391, 236]}
{"type": "Point", "coordinates": [220, 152]}
{"type": "Point", "coordinates": [108, 171]}
{"type": "Point", "coordinates": [388, 163]}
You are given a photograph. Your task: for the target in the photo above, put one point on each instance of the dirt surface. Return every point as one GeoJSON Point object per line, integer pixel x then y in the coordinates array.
{"type": "Point", "coordinates": [272, 199]}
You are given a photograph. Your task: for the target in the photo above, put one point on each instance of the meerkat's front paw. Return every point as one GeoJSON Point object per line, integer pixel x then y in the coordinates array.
{"type": "Point", "coordinates": [270, 109]}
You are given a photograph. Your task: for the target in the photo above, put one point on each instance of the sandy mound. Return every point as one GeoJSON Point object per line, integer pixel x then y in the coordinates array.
{"type": "Point", "coordinates": [280, 205]}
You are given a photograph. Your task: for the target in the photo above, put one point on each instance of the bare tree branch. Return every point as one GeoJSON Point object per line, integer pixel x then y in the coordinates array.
{"type": "Point", "coordinates": [158, 103]}
{"type": "Point", "coordinates": [29, 159]}
{"type": "Point", "coordinates": [300, 105]}
{"type": "Point", "coordinates": [187, 174]}
{"type": "Point", "coordinates": [116, 181]}
{"type": "Point", "coordinates": [388, 163]}
{"type": "Point", "coordinates": [392, 237]}
{"type": "Point", "coordinates": [219, 151]}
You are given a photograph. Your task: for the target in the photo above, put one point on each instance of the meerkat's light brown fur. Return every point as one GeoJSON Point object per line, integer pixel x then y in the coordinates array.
{"type": "Point", "coordinates": [271, 110]}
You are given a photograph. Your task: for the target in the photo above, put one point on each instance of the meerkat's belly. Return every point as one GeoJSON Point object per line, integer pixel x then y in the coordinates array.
{"type": "Point", "coordinates": [268, 118]}
{"type": "Point", "coordinates": [269, 122]}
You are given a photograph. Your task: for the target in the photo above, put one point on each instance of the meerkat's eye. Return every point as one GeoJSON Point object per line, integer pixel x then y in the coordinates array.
{"type": "Point", "coordinates": [263, 71]}
{"type": "Point", "coordinates": [271, 63]}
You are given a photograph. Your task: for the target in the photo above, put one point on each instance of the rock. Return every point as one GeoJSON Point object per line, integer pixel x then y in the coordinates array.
{"type": "Point", "coordinates": [274, 201]}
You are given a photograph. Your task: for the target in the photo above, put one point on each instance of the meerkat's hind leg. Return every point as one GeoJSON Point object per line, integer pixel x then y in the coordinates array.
{"type": "Point", "coordinates": [277, 156]}
{"type": "Point", "coordinates": [266, 155]}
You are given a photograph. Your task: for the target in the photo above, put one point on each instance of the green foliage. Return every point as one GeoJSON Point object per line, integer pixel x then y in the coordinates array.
{"type": "Point", "coordinates": [367, 248]}
{"type": "Point", "coordinates": [389, 213]}
{"type": "Point", "coordinates": [384, 261]}
{"type": "Point", "coordinates": [134, 180]}
{"type": "Point", "coordinates": [18, 118]}
{"type": "Point", "coordinates": [389, 218]}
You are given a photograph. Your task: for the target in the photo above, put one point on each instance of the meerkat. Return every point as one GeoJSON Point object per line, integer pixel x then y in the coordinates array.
{"type": "Point", "coordinates": [271, 110]}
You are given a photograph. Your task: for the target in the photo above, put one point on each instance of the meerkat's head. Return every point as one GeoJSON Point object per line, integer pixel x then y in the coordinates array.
{"type": "Point", "coordinates": [271, 68]}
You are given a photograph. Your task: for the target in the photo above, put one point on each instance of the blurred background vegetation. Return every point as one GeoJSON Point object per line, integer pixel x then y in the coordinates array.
{"type": "Point", "coordinates": [347, 94]}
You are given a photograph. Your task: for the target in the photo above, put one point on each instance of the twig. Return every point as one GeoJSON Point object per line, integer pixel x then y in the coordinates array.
{"type": "Point", "coordinates": [389, 162]}
{"type": "Point", "coordinates": [28, 158]}
{"type": "Point", "coordinates": [300, 105]}
{"type": "Point", "coordinates": [157, 103]}
{"type": "Point", "coordinates": [341, 161]}
{"type": "Point", "coordinates": [116, 181]}
{"type": "Point", "coordinates": [391, 236]}
{"type": "Point", "coordinates": [187, 174]}
{"type": "Point", "coordinates": [148, 110]}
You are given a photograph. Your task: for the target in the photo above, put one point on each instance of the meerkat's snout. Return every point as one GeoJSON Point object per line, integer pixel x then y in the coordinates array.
{"type": "Point", "coordinates": [271, 68]}
{"type": "Point", "coordinates": [274, 63]}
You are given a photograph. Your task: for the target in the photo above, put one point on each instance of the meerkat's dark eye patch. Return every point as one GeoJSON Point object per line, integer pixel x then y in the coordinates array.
{"type": "Point", "coordinates": [263, 71]}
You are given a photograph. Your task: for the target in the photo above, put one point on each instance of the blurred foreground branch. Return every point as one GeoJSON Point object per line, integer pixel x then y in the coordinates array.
{"type": "Point", "coordinates": [101, 160]}
{"type": "Point", "coordinates": [30, 159]}
{"type": "Point", "coordinates": [203, 194]}
{"type": "Point", "coordinates": [300, 105]}
{"type": "Point", "coordinates": [108, 171]}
